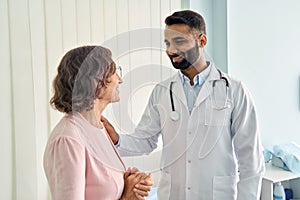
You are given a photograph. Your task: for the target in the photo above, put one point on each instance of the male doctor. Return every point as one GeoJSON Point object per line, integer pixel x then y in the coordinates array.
{"type": "Point", "coordinates": [207, 119]}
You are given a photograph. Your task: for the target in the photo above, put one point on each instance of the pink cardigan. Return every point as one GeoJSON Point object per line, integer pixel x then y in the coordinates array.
{"type": "Point", "coordinates": [81, 162]}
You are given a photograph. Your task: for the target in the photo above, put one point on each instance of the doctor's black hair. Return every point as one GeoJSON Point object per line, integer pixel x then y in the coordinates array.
{"type": "Point", "coordinates": [194, 20]}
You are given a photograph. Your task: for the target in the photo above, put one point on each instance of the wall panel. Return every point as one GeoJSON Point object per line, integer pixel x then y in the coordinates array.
{"type": "Point", "coordinates": [40, 89]}
{"type": "Point", "coordinates": [54, 47]}
{"type": "Point", "coordinates": [83, 18]}
{"type": "Point", "coordinates": [69, 24]}
{"type": "Point", "coordinates": [6, 129]}
{"type": "Point", "coordinates": [97, 21]}
{"type": "Point", "coordinates": [23, 100]}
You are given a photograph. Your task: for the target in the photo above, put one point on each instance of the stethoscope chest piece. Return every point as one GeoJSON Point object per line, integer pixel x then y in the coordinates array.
{"type": "Point", "coordinates": [175, 116]}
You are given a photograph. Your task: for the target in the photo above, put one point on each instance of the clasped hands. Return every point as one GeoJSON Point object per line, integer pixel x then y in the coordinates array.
{"type": "Point", "coordinates": [136, 184]}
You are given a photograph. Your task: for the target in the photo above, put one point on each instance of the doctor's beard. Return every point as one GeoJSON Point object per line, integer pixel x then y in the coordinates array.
{"type": "Point", "coordinates": [189, 57]}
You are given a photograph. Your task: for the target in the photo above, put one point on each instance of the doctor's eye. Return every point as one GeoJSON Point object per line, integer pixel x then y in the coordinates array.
{"type": "Point", "coordinates": [180, 42]}
{"type": "Point", "coordinates": [167, 43]}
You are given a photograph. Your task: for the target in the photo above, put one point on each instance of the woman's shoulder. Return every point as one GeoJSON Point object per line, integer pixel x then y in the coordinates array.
{"type": "Point", "coordinates": [65, 129]}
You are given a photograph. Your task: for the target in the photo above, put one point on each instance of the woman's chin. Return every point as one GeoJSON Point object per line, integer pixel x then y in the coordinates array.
{"type": "Point", "coordinates": [117, 99]}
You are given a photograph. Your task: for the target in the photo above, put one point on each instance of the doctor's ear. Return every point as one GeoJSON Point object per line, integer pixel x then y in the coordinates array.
{"type": "Point", "coordinates": [202, 40]}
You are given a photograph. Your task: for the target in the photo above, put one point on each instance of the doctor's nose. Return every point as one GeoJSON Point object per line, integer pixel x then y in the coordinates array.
{"type": "Point", "coordinates": [172, 51]}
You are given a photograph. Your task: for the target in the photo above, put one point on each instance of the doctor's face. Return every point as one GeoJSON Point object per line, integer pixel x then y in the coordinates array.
{"type": "Point", "coordinates": [181, 46]}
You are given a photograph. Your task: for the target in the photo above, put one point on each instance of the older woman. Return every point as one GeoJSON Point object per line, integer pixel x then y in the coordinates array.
{"type": "Point", "coordinates": [80, 160]}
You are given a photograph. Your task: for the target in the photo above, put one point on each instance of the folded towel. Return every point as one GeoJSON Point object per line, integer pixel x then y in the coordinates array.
{"type": "Point", "coordinates": [279, 163]}
{"type": "Point", "coordinates": [289, 153]}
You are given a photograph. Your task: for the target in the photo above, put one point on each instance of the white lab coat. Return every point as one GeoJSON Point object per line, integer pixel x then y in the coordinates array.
{"type": "Point", "coordinates": [208, 153]}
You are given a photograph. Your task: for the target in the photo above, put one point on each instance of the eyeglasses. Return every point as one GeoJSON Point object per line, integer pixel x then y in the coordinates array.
{"type": "Point", "coordinates": [119, 71]}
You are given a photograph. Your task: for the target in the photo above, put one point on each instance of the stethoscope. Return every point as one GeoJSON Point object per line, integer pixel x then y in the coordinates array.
{"type": "Point", "coordinates": [225, 105]}
{"type": "Point", "coordinates": [175, 115]}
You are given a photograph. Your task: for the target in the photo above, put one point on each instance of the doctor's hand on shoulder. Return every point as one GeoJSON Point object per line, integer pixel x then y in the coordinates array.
{"type": "Point", "coordinates": [110, 130]}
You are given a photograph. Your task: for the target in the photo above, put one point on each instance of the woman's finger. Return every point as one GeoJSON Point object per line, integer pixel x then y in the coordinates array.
{"type": "Point", "coordinates": [140, 193]}
{"type": "Point", "coordinates": [134, 170]}
{"type": "Point", "coordinates": [141, 187]}
{"type": "Point", "coordinates": [146, 182]}
{"type": "Point", "coordinates": [127, 173]}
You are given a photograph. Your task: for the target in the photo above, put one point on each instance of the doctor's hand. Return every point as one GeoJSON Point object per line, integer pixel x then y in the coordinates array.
{"type": "Point", "coordinates": [143, 187]}
{"type": "Point", "coordinates": [114, 136]}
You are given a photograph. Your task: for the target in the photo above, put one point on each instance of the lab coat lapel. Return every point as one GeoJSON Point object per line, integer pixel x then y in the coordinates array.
{"type": "Point", "coordinates": [177, 89]}
{"type": "Point", "coordinates": [207, 86]}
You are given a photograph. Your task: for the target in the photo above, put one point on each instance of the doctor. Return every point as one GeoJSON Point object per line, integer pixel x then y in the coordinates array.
{"type": "Point", "coordinates": [207, 119]}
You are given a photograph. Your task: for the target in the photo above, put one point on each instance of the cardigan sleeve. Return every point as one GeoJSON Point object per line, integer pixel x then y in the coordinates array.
{"type": "Point", "coordinates": [64, 165]}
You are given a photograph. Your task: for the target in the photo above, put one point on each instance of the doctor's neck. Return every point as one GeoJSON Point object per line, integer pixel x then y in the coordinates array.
{"type": "Point", "coordinates": [195, 69]}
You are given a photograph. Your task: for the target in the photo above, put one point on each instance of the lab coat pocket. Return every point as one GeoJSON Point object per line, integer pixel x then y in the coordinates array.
{"type": "Point", "coordinates": [217, 117]}
{"type": "Point", "coordinates": [225, 187]}
{"type": "Point", "coordinates": [164, 186]}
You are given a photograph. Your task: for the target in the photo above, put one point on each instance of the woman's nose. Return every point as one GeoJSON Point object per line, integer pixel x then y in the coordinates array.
{"type": "Point", "coordinates": [120, 80]}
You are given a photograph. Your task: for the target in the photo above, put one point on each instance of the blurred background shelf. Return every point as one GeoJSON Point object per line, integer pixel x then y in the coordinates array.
{"type": "Point", "coordinates": [275, 174]}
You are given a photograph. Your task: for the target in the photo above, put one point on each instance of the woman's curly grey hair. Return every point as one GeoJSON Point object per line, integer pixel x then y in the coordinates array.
{"type": "Point", "coordinates": [81, 76]}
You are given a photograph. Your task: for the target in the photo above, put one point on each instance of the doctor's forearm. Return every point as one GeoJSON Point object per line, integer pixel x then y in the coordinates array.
{"type": "Point", "coordinates": [130, 145]}
{"type": "Point", "coordinates": [250, 188]}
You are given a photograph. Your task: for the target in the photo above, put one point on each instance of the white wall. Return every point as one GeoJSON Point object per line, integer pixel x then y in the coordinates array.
{"type": "Point", "coordinates": [264, 50]}
{"type": "Point", "coordinates": [215, 16]}
{"type": "Point", "coordinates": [6, 154]}
{"type": "Point", "coordinates": [261, 46]}
{"type": "Point", "coordinates": [23, 103]}
{"type": "Point", "coordinates": [34, 35]}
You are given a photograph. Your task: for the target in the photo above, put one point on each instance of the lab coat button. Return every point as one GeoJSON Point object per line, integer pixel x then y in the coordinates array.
{"type": "Point", "coordinates": [190, 132]}
{"type": "Point", "coordinates": [189, 188]}
{"type": "Point", "coordinates": [189, 161]}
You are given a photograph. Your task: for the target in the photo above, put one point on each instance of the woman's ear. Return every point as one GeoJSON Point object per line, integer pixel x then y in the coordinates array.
{"type": "Point", "coordinates": [202, 40]}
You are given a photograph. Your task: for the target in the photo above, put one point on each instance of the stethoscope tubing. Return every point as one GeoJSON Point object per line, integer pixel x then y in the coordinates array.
{"type": "Point", "coordinates": [214, 99]}
{"type": "Point", "coordinates": [171, 96]}
{"type": "Point", "coordinates": [176, 116]}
